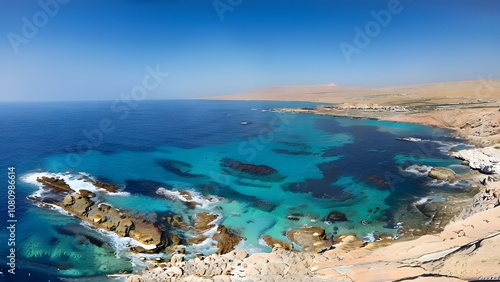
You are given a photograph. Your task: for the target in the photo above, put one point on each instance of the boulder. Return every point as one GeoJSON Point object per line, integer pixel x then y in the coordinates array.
{"type": "Point", "coordinates": [348, 242]}
{"type": "Point", "coordinates": [203, 221]}
{"type": "Point", "coordinates": [488, 169]}
{"type": "Point", "coordinates": [175, 239]}
{"type": "Point", "coordinates": [226, 240]}
{"type": "Point", "coordinates": [271, 242]}
{"type": "Point", "coordinates": [135, 278]}
{"type": "Point", "coordinates": [442, 173]}
{"type": "Point", "coordinates": [174, 271]}
{"type": "Point", "coordinates": [180, 249]}
{"type": "Point", "coordinates": [179, 195]}
{"type": "Point", "coordinates": [310, 239]}
{"type": "Point", "coordinates": [177, 258]}
{"type": "Point", "coordinates": [237, 254]}
{"type": "Point", "coordinates": [176, 221]}
{"type": "Point", "coordinates": [112, 219]}
{"type": "Point", "coordinates": [146, 238]}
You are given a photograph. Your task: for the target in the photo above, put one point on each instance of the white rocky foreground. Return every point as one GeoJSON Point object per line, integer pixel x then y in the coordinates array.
{"type": "Point", "coordinates": [486, 160]}
{"type": "Point", "coordinates": [280, 265]}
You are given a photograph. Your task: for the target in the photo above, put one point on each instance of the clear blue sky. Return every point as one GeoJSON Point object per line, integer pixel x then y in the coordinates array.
{"type": "Point", "coordinates": [96, 49]}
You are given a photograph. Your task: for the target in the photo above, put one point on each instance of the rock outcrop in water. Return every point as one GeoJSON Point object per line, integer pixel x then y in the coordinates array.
{"type": "Point", "coordinates": [204, 221]}
{"type": "Point", "coordinates": [261, 170]}
{"type": "Point", "coordinates": [243, 170]}
{"type": "Point", "coordinates": [274, 243]}
{"type": "Point", "coordinates": [106, 186]}
{"type": "Point", "coordinates": [442, 173]}
{"type": "Point", "coordinates": [179, 195]}
{"type": "Point", "coordinates": [462, 251]}
{"type": "Point", "coordinates": [81, 204]}
{"type": "Point", "coordinates": [291, 152]}
{"type": "Point", "coordinates": [55, 183]}
{"type": "Point", "coordinates": [225, 239]}
{"type": "Point", "coordinates": [336, 216]}
{"type": "Point", "coordinates": [312, 239]}
{"type": "Point", "coordinates": [178, 168]}
{"type": "Point", "coordinates": [111, 219]}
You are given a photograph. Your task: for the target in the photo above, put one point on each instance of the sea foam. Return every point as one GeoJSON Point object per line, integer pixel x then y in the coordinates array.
{"type": "Point", "coordinates": [417, 169]}
{"type": "Point", "coordinates": [75, 181]}
{"type": "Point", "coordinates": [196, 197]}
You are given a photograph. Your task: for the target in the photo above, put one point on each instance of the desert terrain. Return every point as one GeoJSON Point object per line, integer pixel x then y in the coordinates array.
{"type": "Point", "coordinates": [471, 108]}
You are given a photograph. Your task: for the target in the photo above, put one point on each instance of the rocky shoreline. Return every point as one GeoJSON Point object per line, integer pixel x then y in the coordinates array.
{"type": "Point", "coordinates": [322, 256]}
{"type": "Point", "coordinates": [458, 246]}
{"type": "Point", "coordinates": [479, 126]}
{"type": "Point", "coordinates": [462, 251]}
{"type": "Point", "coordinates": [486, 160]}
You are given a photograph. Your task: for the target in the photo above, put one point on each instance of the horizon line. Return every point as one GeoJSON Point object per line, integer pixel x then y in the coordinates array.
{"type": "Point", "coordinates": [256, 89]}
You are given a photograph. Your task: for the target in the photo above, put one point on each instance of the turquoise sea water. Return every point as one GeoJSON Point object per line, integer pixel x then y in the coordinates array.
{"type": "Point", "coordinates": [322, 164]}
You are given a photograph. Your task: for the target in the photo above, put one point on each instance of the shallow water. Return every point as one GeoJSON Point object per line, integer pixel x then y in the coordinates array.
{"type": "Point", "coordinates": [321, 164]}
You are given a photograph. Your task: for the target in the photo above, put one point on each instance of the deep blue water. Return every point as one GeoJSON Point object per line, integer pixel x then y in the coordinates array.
{"type": "Point", "coordinates": [322, 163]}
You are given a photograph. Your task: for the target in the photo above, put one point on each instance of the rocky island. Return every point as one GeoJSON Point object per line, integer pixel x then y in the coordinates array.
{"type": "Point", "coordinates": [83, 204]}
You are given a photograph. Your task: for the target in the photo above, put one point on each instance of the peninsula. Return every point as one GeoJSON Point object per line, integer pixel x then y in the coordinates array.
{"type": "Point", "coordinates": [471, 108]}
